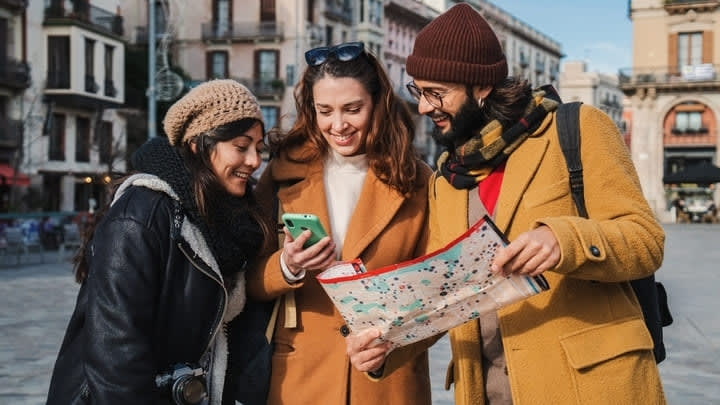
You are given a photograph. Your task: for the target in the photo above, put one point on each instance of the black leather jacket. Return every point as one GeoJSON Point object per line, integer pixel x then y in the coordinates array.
{"type": "Point", "coordinates": [149, 302]}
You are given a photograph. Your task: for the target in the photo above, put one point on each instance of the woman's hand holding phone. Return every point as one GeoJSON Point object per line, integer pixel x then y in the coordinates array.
{"type": "Point", "coordinates": [317, 256]}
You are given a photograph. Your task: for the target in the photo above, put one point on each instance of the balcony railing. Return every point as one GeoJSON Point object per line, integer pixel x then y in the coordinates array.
{"type": "Point", "coordinates": [110, 90]}
{"type": "Point", "coordinates": [683, 6]}
{"type": "Point", "coordinates": [90, 85]}
{"type": "Point", "coordinates": [668, 76]}
{"type": "Point", "coordinates": [14, 5]}
{"type": "Point", "coordinates": [85, 14]}
{"type": "Point", "coordinates": [339, 10]}
{"type": "Point", "coordinates": [10, 133]}
{"type": "Point", "coordinates": [234, 31]}
{"type": "Point", "coordinates": [14, 74]}
{"type": "Point", "coordinates": [58, 79]}
{"type": "Point", "coordinates": [264, 88]}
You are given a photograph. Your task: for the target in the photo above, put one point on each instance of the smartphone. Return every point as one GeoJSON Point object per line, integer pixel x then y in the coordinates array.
{"type": "Point", "coordinates": [297, 223]}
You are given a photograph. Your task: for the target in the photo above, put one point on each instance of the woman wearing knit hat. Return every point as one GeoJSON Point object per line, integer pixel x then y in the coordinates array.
{"type": "Point", "coordinates": [584, 341]}
{"type": "Point", "coordinates": [163, 273]}
{"type": "Point", "coordinates": [349, 159]}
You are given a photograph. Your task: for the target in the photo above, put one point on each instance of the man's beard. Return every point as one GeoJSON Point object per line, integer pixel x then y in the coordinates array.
{"type": "Point", "coordinates": [468, 119]}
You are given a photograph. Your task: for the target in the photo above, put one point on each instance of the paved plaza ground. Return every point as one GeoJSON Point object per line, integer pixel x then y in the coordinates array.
{"type": "Point", "coordinates": [36, 300]}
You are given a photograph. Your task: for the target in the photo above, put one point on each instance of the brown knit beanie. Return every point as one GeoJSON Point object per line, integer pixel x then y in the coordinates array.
{"type": "Point", "coordinates": [458, 47]}
{"type": "Point", "coordinates": [207, 106]}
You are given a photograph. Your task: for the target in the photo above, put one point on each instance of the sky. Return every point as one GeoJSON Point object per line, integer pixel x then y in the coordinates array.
{"type": "Point", "coordinates": [596, 31]}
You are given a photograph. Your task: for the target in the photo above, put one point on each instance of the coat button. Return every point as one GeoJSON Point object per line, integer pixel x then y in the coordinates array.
{"type": "Point", "coordinates": [344, 330]}
{"type": "Point", "coordinates": [595, 251]}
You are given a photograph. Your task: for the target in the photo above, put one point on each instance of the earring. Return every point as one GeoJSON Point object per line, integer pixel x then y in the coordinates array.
{"type": "Point", "coordinates": [481, 103]}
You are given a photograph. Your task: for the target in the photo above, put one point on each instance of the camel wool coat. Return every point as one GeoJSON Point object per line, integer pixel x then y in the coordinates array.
{"type": "Point", "coordinates": [310, 364]}
{"type": "Point", "coordinates": [584, 341]}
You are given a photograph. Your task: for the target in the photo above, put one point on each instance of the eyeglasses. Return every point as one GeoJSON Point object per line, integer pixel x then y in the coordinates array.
{"type": "Point", "coordinates": [433, 97]}
{"type": "Point", "coordinates": [344, 53]}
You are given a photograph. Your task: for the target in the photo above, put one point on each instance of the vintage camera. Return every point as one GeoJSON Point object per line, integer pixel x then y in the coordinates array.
{"type": "Point", "coordinates": [186, 384]}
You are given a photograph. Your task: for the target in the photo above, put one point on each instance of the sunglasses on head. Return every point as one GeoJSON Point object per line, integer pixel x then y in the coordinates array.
{"type": "Point", "coordinates": [343, 52]}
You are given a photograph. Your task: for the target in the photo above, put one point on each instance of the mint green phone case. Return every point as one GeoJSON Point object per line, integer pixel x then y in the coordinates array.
{"type": "Point", "coordinates": [297, 223]}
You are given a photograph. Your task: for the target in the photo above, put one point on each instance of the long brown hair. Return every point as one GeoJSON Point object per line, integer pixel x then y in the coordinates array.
{"type": "Point", "coordinates": [204, 185]}
{"type": "Point", "coordinates": [389, 143]}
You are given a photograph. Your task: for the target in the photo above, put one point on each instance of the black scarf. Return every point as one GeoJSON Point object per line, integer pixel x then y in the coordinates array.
{"type": "Point", "coordinates": [470, 163]}
{"type": "Point", "coordinates": [233, 236]}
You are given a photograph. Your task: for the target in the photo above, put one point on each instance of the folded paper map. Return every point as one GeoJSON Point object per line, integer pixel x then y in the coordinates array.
{"type": "Point", "coordinates": [413, 300]}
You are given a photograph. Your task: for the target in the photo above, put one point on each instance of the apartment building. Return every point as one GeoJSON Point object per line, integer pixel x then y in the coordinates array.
{"type": "Point", "coordinates": [594, 88]}
{"type": "Point", "coordinates": [14, 79]}
{"type": "Point", "coordinates": [403, 19]}
{"type": "Point", "coordinates": [674, 92]}
{"type": "Point", "coordinates": [72, 133]}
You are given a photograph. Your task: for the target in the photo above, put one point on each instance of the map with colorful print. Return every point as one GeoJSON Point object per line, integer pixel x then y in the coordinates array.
{"type": "Point", "coordinates": [413, 300]}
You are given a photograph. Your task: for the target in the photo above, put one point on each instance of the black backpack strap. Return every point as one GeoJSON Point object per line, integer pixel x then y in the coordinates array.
{"type": "Point", "coordinates": [568, 127]}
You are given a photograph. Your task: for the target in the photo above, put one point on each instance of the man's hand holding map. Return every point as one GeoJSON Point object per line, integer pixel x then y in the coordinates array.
{"type": "Point", "coordinates": [413, 300]}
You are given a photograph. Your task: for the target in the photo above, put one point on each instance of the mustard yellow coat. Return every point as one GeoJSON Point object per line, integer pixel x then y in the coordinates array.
{"type": "Point", "coordinates": [583, 341]}
{"type": "Point", "coordinates": [310, 364]}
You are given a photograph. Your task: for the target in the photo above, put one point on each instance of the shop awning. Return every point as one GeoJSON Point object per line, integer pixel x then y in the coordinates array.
{"type": "Point", "coordinates": [9, 177]}
{"type": "Point", "coordinates": [703, 173]}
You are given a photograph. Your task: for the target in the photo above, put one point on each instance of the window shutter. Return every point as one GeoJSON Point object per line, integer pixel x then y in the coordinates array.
{"type": "Point", "coordinates": [673, 53]}
{"type": "Point", "coordinates": [707, 46]}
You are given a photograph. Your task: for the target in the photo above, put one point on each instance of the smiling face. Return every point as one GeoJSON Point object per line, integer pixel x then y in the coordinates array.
{"type": "Point", "coordinates": [233, 161]}
{"type": "Point", "coordinates": [343, 111]}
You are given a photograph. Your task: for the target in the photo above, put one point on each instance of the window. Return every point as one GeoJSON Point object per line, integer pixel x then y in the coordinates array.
{"type": "Point", "coordinates": [688, 121]}
{"type": "Point", "coordinates": [90, 85]}
{"type": "Point", "coordinates": [58, 62]}
{"type": "Point", "coordinates": [689, 49]}
{"type": "Point", "coordinates": [328, 35]}
{"type": "Point", "coordinates": [82, 140]}
{"type": "Point", "coordinates": [266, 65]}
{"type": "Point", "coordinates": [105, 141]}
{"type": "Point", "coordinates": [222, 16]}
{"type": "Point", "coordinates": [217, 65]}
{"type": "Point", "coordinates": [267, 10]}
{"type": "Point", "coordinates": [56, 150]}
{"type": "Point", "coordinates": [270, 116]}
{"type": "Point", "coordinates": [110, 90]}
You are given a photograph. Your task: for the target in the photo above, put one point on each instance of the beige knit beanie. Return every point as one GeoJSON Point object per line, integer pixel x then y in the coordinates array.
{"type": "Point", "coordinates": [207, 106]}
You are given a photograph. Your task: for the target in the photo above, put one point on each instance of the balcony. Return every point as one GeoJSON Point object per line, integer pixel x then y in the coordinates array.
{"type": "Point", "coordinates": [14, 6]}
{"type": "Point", "coordinates": [667, 78]}
{"type": "Point", "coordinates": [90, 85]}
{"type": "Point", "coordinates": [10, 133]}
{"type": "Point", "coordinates": [14, 74]}
{"type": "Point", "coordinates": [265, 88]}
{"type": "Point", "coordinates": [683, 6]}
{"type": "Point", "coordinates": [84, 15]}
{"type": "Point", "coordinates": [339, 10]}
{"type": "Point", "coordinates": [242, 32]}
{"type": "Point", "coordinates": [110, 90]}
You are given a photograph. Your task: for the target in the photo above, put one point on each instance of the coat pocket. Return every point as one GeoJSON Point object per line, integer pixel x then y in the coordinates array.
{"type": "Point", "coordinates": [613, 363]}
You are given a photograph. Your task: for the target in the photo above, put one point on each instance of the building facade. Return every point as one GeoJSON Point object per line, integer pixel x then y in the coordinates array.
{"type": "Point", "coordinates": [674, 92]}
{"type": "Point", "coordinates": [262, 43]}
{"type": "Point", "coordinates": [14, 80]}
{"type": "Point", "coordinates": [594, 88]}
{"type": "Point", "coordinates": [72, 132]}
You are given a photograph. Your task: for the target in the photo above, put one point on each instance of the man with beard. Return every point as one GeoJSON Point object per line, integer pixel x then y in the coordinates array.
{"type": "Point", "coordinates": [584, 341]}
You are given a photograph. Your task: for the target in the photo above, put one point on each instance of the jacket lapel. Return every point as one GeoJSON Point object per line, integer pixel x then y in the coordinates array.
{"type": "Point", "coordinates": [519, 170]}
{"type": "Point", "coordinates": [307, 196]}
{"type": "Point", "coordinates": [377, 206]}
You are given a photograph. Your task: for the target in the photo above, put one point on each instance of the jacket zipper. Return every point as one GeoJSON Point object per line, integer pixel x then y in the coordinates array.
{"type": "Point", "coordinates": [200, 268]}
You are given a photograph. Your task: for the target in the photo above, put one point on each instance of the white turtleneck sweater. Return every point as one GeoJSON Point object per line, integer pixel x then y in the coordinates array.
{"type": "Point", "coordinates": [343, 178]}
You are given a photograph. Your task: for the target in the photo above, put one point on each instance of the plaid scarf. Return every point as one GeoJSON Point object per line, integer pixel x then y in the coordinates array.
{"type": "Point", "coordinates": [473, 161]}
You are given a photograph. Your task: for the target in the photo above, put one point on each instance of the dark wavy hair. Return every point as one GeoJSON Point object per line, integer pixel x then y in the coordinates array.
{"type": "Point", "coordinates": [507, 101]}
{"type": "Point", "coordinates": [205, 187]}
{"type": "Point", "coordinates": [389, 143]}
